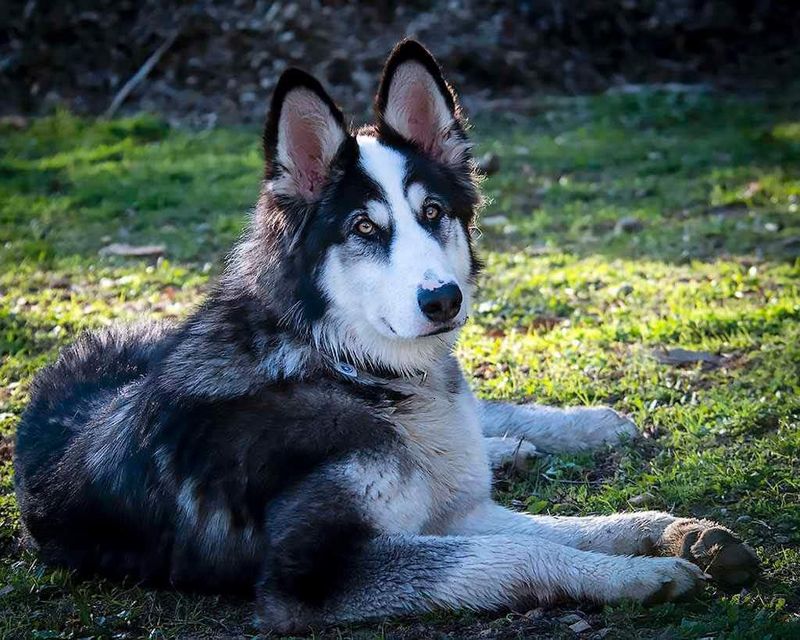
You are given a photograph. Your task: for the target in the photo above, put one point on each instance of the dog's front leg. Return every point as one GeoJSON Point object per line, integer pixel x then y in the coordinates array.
{"type": "Point", "coordinates": [411, 574]}
{"type": "Point", "coordinates": [553, 429]}
{"type": "Point", "coordinates": [652, 533]}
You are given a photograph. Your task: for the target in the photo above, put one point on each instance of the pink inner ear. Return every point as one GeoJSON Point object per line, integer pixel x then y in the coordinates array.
{"type": "Point", "coordinates": [417, 110]}
{"type": "Point", "coordinates": [423, 127]}
{"type": "Point", "coordinates": [309, 135]}
{"type": "Point", "coordinates": [305, 149]}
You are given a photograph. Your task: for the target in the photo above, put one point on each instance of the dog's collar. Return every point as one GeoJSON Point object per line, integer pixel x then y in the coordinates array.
{"type": "Point", "coordinates": [379, 376]}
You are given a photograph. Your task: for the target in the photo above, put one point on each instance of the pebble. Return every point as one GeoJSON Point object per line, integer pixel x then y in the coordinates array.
{"type": "Point", "coordinates": [488, 164]}
{"type": "Point", "coordinates": [580, 627]}
{"type": "Point", "coordinates": [570, 618]}
{"type": "Point", "coordinates": [642, 499]}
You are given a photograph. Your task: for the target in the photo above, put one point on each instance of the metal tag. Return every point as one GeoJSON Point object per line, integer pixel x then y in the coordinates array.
{"type": "Point", "coordinates": [346, 369]}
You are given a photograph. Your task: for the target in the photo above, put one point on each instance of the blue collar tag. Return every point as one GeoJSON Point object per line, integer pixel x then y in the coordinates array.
{"type": "Point", "coordinates": [346, 369]}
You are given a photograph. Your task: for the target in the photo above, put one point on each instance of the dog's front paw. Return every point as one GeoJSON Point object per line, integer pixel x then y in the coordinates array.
{"type": "Point", "coordinates": [717, 550]}
{"type": "Point", "coordinates": [597, 426]}
{"type": "Point", "coordinates": [654, 580]}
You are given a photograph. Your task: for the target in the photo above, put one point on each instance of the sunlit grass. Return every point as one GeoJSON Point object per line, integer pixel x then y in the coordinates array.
{"type": "Point", "coordinates": [570, 310]}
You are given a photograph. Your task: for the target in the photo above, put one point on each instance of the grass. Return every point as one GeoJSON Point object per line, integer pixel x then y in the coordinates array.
{"type": "Point", "coordinates": [570, 310]}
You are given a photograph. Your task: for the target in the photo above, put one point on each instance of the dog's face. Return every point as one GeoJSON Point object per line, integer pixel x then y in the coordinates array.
{"type": "Point", "coordinates": [377, 222]}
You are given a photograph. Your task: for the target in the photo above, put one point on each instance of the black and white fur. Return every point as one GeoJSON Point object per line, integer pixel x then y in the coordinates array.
{"type": "Point", "coordinates": [306, 433]}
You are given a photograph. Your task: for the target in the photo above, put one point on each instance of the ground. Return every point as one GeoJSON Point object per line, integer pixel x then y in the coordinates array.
{"type": "Point", "coordinates": [617, 226]}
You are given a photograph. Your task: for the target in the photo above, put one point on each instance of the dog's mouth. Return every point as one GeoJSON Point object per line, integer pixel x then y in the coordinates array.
{"type": "Point", "coordinates": [446, 328]}
{"type": "Point", "coordinates": [443, 329]}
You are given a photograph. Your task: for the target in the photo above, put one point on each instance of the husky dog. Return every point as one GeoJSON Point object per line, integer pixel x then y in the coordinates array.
{"type": "Point", "coordinates": [306, 434]}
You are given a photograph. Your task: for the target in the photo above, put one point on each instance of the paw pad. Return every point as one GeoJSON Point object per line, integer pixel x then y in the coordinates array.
{"type": "Point", "coordinates": [729, 561]}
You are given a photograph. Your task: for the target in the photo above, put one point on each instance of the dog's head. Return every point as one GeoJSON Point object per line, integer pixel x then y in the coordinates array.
{"type": "Point", "coordinates": [374, 225]}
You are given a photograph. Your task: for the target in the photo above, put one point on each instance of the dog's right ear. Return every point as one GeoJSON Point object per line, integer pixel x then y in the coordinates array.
{"type": "Point", "coordinates": [303, 133]}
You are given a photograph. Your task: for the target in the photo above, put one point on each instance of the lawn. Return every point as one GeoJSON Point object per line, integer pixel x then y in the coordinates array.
{"type": "Point", "coordinates": [617, 226]}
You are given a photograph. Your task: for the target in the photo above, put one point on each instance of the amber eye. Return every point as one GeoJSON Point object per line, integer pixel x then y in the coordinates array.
{"type": "Point", "coordinates": [432, 211]}
{"type": "Point", "coordinates": [365, 227]}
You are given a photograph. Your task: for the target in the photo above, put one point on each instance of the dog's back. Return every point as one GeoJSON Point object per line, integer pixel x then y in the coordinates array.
{"type": "Point", "coordinates": [69, 403]}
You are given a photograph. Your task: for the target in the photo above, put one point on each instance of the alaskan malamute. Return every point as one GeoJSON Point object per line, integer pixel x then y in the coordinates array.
{"type": "Point", "coordinates": [306, 434]}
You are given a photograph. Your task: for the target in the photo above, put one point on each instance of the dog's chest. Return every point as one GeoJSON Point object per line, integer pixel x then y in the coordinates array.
{"type": "Point", "coordinates": [447, 468]}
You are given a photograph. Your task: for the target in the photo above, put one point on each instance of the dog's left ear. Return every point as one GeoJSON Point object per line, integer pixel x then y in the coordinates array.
{"type": "Point", "coordinates": [415, 101]}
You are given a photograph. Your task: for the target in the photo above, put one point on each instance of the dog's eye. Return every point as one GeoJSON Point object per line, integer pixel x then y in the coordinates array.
{"type": "Point", "coordinates": [364, 227]}
{"type": "Point", "coordinates": [432, 211]}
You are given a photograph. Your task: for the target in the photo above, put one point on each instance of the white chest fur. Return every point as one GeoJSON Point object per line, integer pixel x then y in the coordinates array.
{"type": "Point", "coordinates": [449, 470]}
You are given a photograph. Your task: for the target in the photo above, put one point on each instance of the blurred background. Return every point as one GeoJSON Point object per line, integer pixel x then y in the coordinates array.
{"type": "Point", "coordinates": [214, 61]}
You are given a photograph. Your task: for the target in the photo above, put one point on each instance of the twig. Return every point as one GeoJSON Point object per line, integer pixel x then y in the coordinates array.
{"type": "Point", "coordinates": [564, 481]}
{"type": "Point", "coordinates": [140, 75]}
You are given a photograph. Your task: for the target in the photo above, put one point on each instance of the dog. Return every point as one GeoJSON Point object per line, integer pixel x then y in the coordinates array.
{"type": "Point", "coordinates": [306, 435]}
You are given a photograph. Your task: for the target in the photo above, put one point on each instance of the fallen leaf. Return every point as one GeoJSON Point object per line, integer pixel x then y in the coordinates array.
{"type": "Point", "coordinates": [678, 357]}
{"type": "Point", "coordinates": [129, 250]}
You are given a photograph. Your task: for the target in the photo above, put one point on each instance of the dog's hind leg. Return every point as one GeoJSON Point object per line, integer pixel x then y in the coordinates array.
{"type": "Point", "coordinates": [399, 575]}
{"type": "Point", "coordinates": [708, 544]}
{"type": "Point", "coordinates": [553, 429]}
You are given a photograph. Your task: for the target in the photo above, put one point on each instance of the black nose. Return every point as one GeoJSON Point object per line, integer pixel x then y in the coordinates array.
{"type": "Point", "coordinates": [440, 304]}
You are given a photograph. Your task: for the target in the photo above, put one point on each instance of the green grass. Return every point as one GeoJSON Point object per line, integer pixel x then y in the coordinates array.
{"type": "Point", "coordinates": [569, 311]}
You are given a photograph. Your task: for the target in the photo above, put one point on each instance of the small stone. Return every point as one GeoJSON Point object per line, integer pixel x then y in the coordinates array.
{"type": "Point", "coordinates": [488, 164]}
{"type": "Point", "coordinates": [570, 618]}
{"type": "Point", "coordinates": [580, 627]}
{"type": "Point", "coordinates": [642, 499]}
{"type": "Point", "coordinates": [781, 539]}
{"type": "Point", "coordinates": [498, 220]}
{"type": "Point", "coordinates": [628, 224]}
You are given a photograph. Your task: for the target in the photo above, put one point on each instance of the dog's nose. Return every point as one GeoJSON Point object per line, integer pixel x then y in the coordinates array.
{"type": "Point", "coordinates": [440, 304]}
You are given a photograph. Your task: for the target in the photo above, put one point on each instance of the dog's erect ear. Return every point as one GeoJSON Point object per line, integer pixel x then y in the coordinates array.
{"type": "Point", "coordinates": [303, 133]}
{"type": "Point", "coordinates": [415, 101]}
